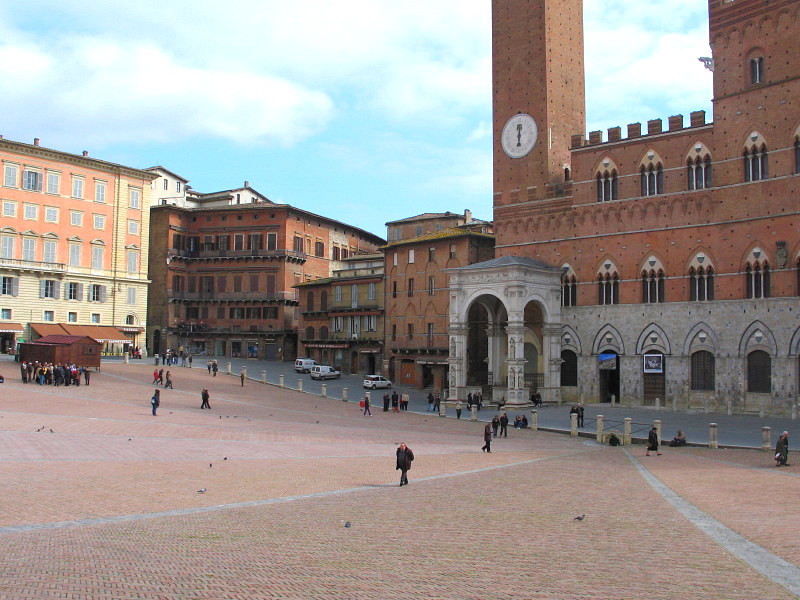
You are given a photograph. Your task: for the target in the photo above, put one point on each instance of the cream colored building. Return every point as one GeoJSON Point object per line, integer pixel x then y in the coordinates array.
{"type": "Point", "coordinates": [74, 242]}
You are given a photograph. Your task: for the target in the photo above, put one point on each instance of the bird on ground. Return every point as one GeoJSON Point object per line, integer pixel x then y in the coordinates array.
{"type": "Point", "coordinates": [51, 431]}
{"type": "Point", "coordinates": [226, 458]}
{"type": "Point", "coordinates": [347, 524]}
{"type": "Point", "coordinates": [202, 491]}
{"type": "Point", "coordinates": [579, 518]}
{"type": "Point", "coordinates": [210, 464]}
{"type": "Point", "coordinates": [129, 439]}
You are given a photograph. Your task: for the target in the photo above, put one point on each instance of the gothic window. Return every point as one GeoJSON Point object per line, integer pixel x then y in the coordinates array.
{"type": "Point", "coordinates": [310, 301]}
{"type": "Point", "coordinates": [652, 180]}
{"type": "Point", "coordinates": [569, 369]}
{"type": "Point", "coordinates": [698, 173]}
{"type": "Point", "coordinates": [757, 279]}
{"type": "Point", "coordinates": [755, 163]}
{"type": "Point", "coordinates": [569, 291]}
{"type": "Point", "coordinates": [702, 376]}
{"type": "Point", "coordinates": [653, 286]}
{"type": "Point", "coordinates": [701, 284]}
{"type": "Point", "coordinates": [759, 372]}
{"type": "Point", "coordinates": [309, 333]}
{"type": "Point", "coordinates": [757, 70]}
{"type": "Point", "coordinates": [607, 186]}
{"type": "Point", "coordinates": [608, 289]}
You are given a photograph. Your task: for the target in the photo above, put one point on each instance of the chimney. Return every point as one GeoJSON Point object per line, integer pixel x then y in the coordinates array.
{"type": "Point", "coordinates": [246, 183]}
{"type": "Point", "coordinates": [35, 141]}
{"type": "Point", "coordinates": [467, 216]}
{"type": "Point", "coordinates": [86, 153]}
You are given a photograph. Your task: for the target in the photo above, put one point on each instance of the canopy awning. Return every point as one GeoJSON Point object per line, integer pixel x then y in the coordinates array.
{"type": "Point", "coordinates": [11, 328]}
{"type": "Point", "coordinates": [102, 333]}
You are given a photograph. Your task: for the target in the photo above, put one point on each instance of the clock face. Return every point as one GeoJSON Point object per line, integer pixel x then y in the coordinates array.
{"type": "Point", "coordinates": [519, 135]}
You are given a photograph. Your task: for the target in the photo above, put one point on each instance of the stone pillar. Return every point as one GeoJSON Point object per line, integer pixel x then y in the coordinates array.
{"type": "Point", "coordinates": [766, 439]}
{"type": "Point", "coordinates": [712, 436]}
{"type": "Point", "coordinates": [442, 407]}
{"type": "Point", "coordinates": [299, 385]}
{"type": "Point", "coordinates": [230, 370]}
{"type": "Point", "coordinates": [473, 413]}
{"type": "Point", "coordinates": [551, 349]}
{"type": "Point", "coordinates": [324, 392]}
{"type": "Point", "coordinates": [281, 381]}
{"type": "Point", "coordinates": [600, 428]}
{"type": "Point", "coordinates": [613, 400]}
{"type": "Point", "coordinates": [573, 425]}
{"type": "Point", "coordinates": [345, 394]}
{"type": "Point", "coordinates": [657, 425]}
{"type": "Point", "coordinates": [457, 362]}
{"type": "Point", "coordinates": [127, 358]}
{"type": "Point", "coordinates": [516, 394]}
{"type": "Point", "coordinates": [626, 432]}
{"type": "Point", "coordinates": [244, 372]}
{"type": "Point", "coordinates": [534, 424]}
{"type": "Point", "coordinates": [264, 376]}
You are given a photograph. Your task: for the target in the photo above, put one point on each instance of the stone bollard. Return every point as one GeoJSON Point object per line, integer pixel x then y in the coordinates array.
{"type": "Point", "coordinates": [600, 428]}
{"type": "Point", "coordinates": [244, 372]}
{"type": "Point", "coordinates": [674, 404]}
{"type": "Point", "coordinates": [442, 407]}
{"type": "Point", "coordinates": [299, 385]}
{"type": "Point", "coordinates": [534, 424]}
{"type": "Point", "coordinates": [573, 425]}
{"type": "Point", "coordinates": [345, 394]}
{"type": "Point", "coordinates": [324, 392]}
{"type": "Point", "coordinates": [657, 425]}
{"type": "Point", "coordinates": [127, 358]}
{"type": "Point", "coordinates": [658, 404]}
{"type": "Point", "coordinates": [281, 381]}
{"type": "Point", "coordinates": [766, 439]}
{"type": "Point", "coordinates": [626, 431]}
{"type": "Point", "coordinates": [712, 436]}
{"type": "Point", "coordinates": [264, 376]}
{"type": "Point", "coordinates": [613, 400]}
{"type": "Point", "coordinates": [230, 370]}
{"type": "Point", "coordinates": [473, 415]}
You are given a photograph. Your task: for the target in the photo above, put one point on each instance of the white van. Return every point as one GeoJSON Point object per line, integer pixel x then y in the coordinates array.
{"type": "Point", "coordinates": [324, 372]}
{"type": "Point", "coordinates": [303, 365]}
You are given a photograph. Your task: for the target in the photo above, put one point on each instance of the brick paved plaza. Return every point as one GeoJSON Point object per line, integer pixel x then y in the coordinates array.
{"type": "Point", "coordinates": [107, 506]}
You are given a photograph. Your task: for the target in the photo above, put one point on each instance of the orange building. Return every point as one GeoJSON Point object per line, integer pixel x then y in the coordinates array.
{"type": "Point", "coordinates": [226, 287]}
{"type": "Point", "coordinates": [676, 247]}
{"type": "Point", "coordinates": [74, 240]}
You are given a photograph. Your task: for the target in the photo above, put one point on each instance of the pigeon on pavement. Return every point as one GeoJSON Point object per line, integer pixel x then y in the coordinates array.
{"type": "Point", "coordinates": [579, 518]}
{"type": "Point", "coordinates": [202, 491]}
{"type": "Point", "coordinates": [347, 524]}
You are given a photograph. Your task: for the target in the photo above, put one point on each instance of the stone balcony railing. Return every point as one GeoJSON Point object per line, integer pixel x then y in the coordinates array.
{"type": "Point", "coordinates": [32, 265]}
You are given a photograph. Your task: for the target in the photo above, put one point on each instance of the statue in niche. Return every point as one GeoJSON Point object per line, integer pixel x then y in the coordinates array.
{"type": "Point", "coordinates": [453, 348]}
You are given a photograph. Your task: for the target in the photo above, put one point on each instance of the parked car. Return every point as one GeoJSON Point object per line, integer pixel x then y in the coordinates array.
{"type": "Point", "coordinates": [303, 365]}
{"type": "Point", "coordinates": [324, 372]}
{"type": "Point", "coordinates": [374, 382]}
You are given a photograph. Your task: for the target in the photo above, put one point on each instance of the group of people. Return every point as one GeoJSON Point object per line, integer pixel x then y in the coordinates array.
{"type": "Point", "coordinates": [212, 367]}
{"type": "Point", "coordinates": [434, 402]}
{"type": "Point", "coordinates": [171, 358]}
{"type": "Point", "coordinates": [160, 378]}
{"type": "Point", "coordinates": [397, 402]}
{"type": "Point", "coordinates": [476, 398]}
{"type": "Point", "coordinates": [56, 375]}
{"type": "Point", "coordinates": [155, 400]}
{"type": "Point", "coordinates": [577, 409]}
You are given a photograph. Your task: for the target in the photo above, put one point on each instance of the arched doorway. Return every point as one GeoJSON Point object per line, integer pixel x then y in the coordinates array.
{"type": "Point", "coordinates": [608, 375]}
{"type": "Point", "coordinates": [157, 341]}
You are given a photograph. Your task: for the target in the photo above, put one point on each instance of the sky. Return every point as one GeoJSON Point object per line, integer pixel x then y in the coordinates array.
{"type": "Point", "coordinates": [365, 111]}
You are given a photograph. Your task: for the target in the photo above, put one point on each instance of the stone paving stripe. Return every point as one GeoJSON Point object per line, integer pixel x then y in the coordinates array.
{"type": "Point", "coordinates": [253, 503]}
{"type": "Point", "coordinates": [774, 471]}
{"type": "Point", "coordinates": [771, 566]}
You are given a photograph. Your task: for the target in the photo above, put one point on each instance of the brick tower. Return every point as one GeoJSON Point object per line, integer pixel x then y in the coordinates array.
{"type": "Point", "coordinates": [539, 99]}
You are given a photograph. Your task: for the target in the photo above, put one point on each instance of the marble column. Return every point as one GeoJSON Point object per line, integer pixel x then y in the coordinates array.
{"type": "Point", "coordinates": [457, 363]}
{"type": "Point", "coordinates": [516, 393]}
{"type": "Point", "coordinates": [551, 349]}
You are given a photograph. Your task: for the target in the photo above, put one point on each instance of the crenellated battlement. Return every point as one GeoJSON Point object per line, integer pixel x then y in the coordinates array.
{"type": "Point", "coordinates": [634, 130]}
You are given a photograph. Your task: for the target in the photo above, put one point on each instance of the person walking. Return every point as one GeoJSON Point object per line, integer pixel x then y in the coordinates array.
{"type": "Point", "coordinates": [469, 401]}
{"type": "Point", "coordinates": [208, 366]}
{"type": "Point", "coordinates": [386, 401]}
{"type": "Point", "coordinates": [580, 414]}
{"type": "Point", "coordinates": [168, 382]}
{"type": "Point", "coordinates": [430, 402]}
{"type": "Point", "coordinates": [155, 376]}
{"type": "Point", "coordinates": [437, 402]}
{"type": "Point", "coordinates": [782, 450]}
{"type": "Point", "coordinates": [155, 401]}
{"type": "Point", "coordinates": [487, 438]}
{"type": "Point", "coordinates": [495, 425]}
{"type": "Point", "coordinates": [458, 409]}
{"type": "Point", "coordinates": [367, 411]}
{"type": "Point", "coordinates": [504, 425]}
{"type": "Point", "coordinates": [214, 368]}
{"type": "Point", "coordinates": [404, 459]}
{"type": "Point", "coordinates": [242, 377]}
{"type": "Point", "coordinates": [204, 397]}
{"type": "Point", "coordinates": [395, 402]}
{"type": "Point", "coordinates": [652, 442]}
{"type": "Point", "coordinates": [190, 361]}
{"type": "Point", "coordinates": [86, 374]}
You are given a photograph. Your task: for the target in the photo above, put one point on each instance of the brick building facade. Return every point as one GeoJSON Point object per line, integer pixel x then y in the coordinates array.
{"type": "Point", "coordinates": [233, 258]}
{"type": "Point", "coordinates": [678, 245]}
{"type": "Point", "coordinates": [74, 241]}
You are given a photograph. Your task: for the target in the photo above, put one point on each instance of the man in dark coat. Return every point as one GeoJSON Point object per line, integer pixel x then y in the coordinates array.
{"type": "Point", "coordinates": [487, 438]}
{"type": "Point", "coordinates": [782, 450]}
{"type": "Point", "coordinates": [395, 402]}
{"type": "Point", "coordinates": [204, 397]}
{"type": "Point", "coordinates": [652, 442]}
{"type": "Point", "coordinates": [495, 425]}
{"type": "Point", "coordinates": [386, 400]}
{"type": "Point", "coordinates": [580, 414]}
{"type": "Point", "coordinates": [504, 425]}
{"type": "Point", "coordinates": [404, 458]}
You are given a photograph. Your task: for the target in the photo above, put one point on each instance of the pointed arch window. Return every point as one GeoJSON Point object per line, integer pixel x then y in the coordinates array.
{"type": "Point", "coordinates": [759, 372]}
{"type": "Point", "coordinates": [607, 186]}
{"type": "Point", "coordinates": [653, 286]}
{"type": "Point", "coordinates": [569, 291]}
{"type": "Point", "coordinates": [608, 289]}
{"type": "Point", "coordinates": [757, 280]}
{"type": "Point", "coordinates": [698, 173]}
{"type": "Point", "coordinates": [703, 370]}
{"type": "Point", "coordinates": [756, 163]}
{"type": "Point", "coordinates": [701, 284]}
{"type": "Point", "coordinates": [652, 180]}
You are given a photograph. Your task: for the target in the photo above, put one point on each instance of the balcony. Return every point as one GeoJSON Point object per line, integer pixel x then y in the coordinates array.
{"type": "Point", "coordinates": [32, 265]}
{"type": "Point", "coordinates": [212, 254]}
{"type": "Point", "coordinates": [276, 297]}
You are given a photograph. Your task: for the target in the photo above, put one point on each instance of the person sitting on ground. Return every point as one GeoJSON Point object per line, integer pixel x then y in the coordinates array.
{"type": "Point", "coordinates": [524, 424]}
{"type": "Point", "coordinates": [517, 422]}
{"type": "Point", "coordinates": [678, 440]}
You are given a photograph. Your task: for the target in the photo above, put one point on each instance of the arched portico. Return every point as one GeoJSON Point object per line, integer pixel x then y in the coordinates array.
{"type": "Point", "coordinates": [505, 313]}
